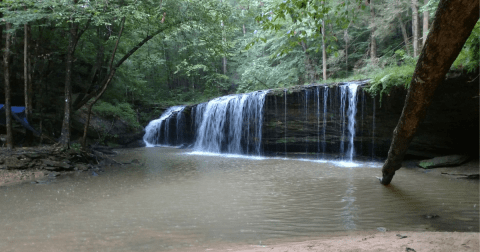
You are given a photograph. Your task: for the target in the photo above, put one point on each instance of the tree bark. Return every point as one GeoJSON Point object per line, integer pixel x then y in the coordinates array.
{"type": "Point", "coordinates": [425, 24]}
{"type": "Point", "coordinates": [65, 135]}
{"type": "Point", "coordinates": [107, 79]}
{"type": "Point", "coordinates": [404, 34]}
{"type": "Point", "coordinates": [373, 42]}
{"type": "Point", "coordinates": [75, 35]}
{"type": "Point", "coordinates": [27, 81]}
{"type": "Point", "coordinates": [324, 53]}
{"type": "Point", "coordinates": [454, 21]}
{"type": "Point", "coordinates": [8, 106]}
{"type": "Point", "coordinates": [112, 72]}
{"type": "Point", "coordinates": [415, 28]}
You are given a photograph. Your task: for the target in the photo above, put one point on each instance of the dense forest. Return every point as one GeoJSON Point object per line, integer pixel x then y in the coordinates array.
{"type": "Point", "coordinates": [118, 57]}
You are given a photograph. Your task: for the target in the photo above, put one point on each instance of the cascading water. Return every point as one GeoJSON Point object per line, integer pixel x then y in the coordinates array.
{"type": "Point", "coordinates": [306, 119]}
{"type": "Point", "coordinates": [352, 110]}
{"type": "Point", "coordinates": [231, 124]}
{"type": "Point", "coordinates": [373, 130]}
{"type": "Point", "coordinates": [285, 122]}
{"type": "Point", "coordinates": [157, 131]}
{"type": "Point", "coordinates": [325, 98]}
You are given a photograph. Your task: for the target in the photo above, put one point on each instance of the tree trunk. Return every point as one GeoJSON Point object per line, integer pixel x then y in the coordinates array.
{"type": "Point", "coordinates": [324, 53]}
{"type": "Point", "coordinates": [373, 43]}
{"type": "Point", "coordinates": [454, 21]}
{"type": "Point", "coordinates": [27, 82]}
{"type": "Point", "coordinates": [107, 81]}
{"type": "Point", "coordinates": [404, 34]}
{"type": "Point", "coordinates": [8, 106]}
{"type": "Point", "coordinates": [415, 28]}
{"type": "Point", "coordinates": [65, 135]}
{"type": "Point", "coordinates": [425, 23]}
{"type": "Point", "coordinates": [309, 68]}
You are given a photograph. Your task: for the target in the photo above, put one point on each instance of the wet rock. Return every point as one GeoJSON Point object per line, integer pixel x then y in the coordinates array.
{"type": "Point", "coordinates": [16, 162]}
{"type": "Point", "coordinates": [431, 216]}
{"type": "Point", "coordinates": [135, 161]}
{"type": "Point", "coordinates": [56, 165]}
{"type": "Point", "coordinates": [382, 229]}
{"type": "Point", "coordinates": [81, 167]}
{"type": "Point", "coordinates": [409, 249]}
{"type": "Point", "coordinates": [445, 161]}
{"type": "Point", "coordinates": [53, 174]}
{"type": "Point", "coordinates": [94, 174]}
{"type": "Point", "coordinates": [136, 144]}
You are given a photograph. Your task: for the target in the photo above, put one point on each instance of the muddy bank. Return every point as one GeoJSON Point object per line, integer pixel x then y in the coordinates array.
{"type": "Point", "coordinates": [42, 164]}
{"type": "Point", "coordinates": [365, 241]}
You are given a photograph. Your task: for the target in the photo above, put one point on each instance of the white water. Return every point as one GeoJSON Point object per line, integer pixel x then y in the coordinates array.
{"type": "Point", "coordinates": [231, 124]}
{"type": "Point", "coordinates": [153, 131]}
{"type": "Point", "coordinates": [352, 111]}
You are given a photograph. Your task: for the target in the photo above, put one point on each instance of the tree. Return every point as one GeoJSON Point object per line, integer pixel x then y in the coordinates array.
{"type": "Point", "coordinates": [373, 42]}
{"type": "Point", "coordinates": [6, 74]}
{"type": "Point", "coordinates": [415, 28]}
{"type": "Point", "coordinates": [426, 16]}
{"type": "Point", "coordinates": [453, 23]}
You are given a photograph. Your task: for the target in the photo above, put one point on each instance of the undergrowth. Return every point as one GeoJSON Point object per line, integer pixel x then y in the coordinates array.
{"type": "Point", "coordinates": [121, 110]}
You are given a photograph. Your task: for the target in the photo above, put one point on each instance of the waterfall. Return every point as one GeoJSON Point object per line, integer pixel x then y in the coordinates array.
{"type": "Point", "coordinates": [156, 132]}
{"type": "Point", "coordinates": [325, 98]}
{"type": "Point", "coordinates": [343, 101]}
{"type": "Point", "coordinates": [317, 93]}
{"type": "Point", "coordinates": [305, 125]}
{"type": "Point", "coordinates": [352, 110]}
{"type": "Point", "coordinates": [373, 130]}
{"type": "Point", "coordinates": [231, 124]}
{"type": "Point", "coordinates": [285, 95]}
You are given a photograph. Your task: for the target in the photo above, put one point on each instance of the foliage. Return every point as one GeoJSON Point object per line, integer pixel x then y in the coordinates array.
{"type": "Point", "coordinates": [207, 48]}
{"type": "Point", "coordinates": [469, 57]}
{"type": "Point", "coordinates": [382, 82]}
{"type": "Point", "coordinates": [122, 111]}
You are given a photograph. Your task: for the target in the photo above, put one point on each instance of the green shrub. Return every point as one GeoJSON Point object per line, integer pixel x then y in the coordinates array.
{"type": "Point", "coordinates": [122, 111]}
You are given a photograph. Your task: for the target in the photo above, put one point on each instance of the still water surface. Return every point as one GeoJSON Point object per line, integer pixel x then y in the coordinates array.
{"type": "Point", "coordinates": [178, 200]}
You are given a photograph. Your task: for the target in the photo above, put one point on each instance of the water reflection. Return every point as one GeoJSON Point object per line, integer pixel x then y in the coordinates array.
{"type": "Point", "coordinates": [176, 200]}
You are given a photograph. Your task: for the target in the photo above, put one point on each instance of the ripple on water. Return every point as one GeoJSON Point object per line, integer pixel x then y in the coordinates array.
{"type": "Point", "coordinates": [177, 199]}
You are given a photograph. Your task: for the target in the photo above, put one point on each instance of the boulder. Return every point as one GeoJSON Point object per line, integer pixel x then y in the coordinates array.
{"type": "Point", "coordinates": [56, 165]}
{"type": "Point", "coordinates": [452, 160]}
{"type": "Point", "coordinates": [16, 162]}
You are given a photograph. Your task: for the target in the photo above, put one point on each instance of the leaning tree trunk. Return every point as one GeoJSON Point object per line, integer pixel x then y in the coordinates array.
{"type": "Point", "coordinates": [454, 21]}
{"type": "Point", "coordinates": [107, 81]}
{"type": "Point", "coordinates": [6, 74]}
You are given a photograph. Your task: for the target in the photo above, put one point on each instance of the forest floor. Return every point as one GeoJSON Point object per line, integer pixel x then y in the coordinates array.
{"type": "Point", "coordinates": [40, 163]}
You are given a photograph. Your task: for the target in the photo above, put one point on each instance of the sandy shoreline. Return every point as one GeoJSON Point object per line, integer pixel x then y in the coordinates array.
{"type": "Point", "coordinates": [365, 241]}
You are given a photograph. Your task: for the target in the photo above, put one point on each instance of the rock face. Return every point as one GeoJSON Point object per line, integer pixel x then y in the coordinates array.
{"type": "Point", "coordinates": [314, 120]}
{"type": "Point", "coordinates": [450, 126]}
{"type": "Point", "coordinates": [452, 160]}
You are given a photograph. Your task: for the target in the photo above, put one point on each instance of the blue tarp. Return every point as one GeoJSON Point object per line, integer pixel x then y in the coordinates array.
{"type": "Point", "coordinates": [18, 113]}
